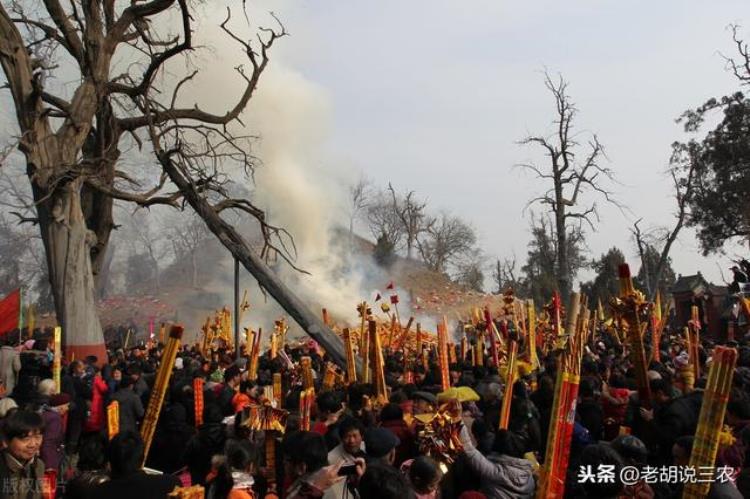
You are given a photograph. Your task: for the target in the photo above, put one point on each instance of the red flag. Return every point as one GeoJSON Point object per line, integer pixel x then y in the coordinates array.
{"type": "Point", "coordinates": [390, 285]}
{"type": "Point", "coordinates": [10, 307]}
{"type": "Point", "coordinates": [377, 298]}
{"type": "Point", "coordinates": [394, 299]}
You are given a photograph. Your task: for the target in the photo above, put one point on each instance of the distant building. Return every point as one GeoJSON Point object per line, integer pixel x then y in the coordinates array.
{"type": "Point", "coordinates": [714, 306]}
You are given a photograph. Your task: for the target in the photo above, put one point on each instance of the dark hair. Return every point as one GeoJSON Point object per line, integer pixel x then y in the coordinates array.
{"type": "Point", "coordinates": [383, 482]}
{"type": "Point", "coordinates": [239, 455]}
{"type": "Point", "coordinates": [423, 472]}
{"type": "Point", "coordinates": [508, 444]}
{"type": "Point", "coordinates": [20, 423]}
{"type": "Point", "coordinates": [350, 424]}
{"type": "Point", "coordinates": [660, 385]}
{"type": "Point", "coordinates": [685, 442]}
{"type": "Point", "coordinates": [631, 449]}
{"type": "Point", "coordinates": [125, 453]}
{"type": "Point", "coordinates": [307, 448]}
{"type": "Point", "coordinates": [587, 388]}
{"type": "Point", "coordinates": [391, 412]}
{"type": "Point", "coordinates": [617, 380]}
{"type": "Point", "coordinates": [328, 402]}
{"type": "Point", "coordinates": [92, 453]}
{"type": "Point", "coordinates": [245, 385]}
{"type": "Point", "coordinates": [601, 454]}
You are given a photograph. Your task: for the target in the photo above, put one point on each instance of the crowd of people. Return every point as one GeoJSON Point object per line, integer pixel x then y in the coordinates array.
{"type": "Point", "coordinates": [357, 445]}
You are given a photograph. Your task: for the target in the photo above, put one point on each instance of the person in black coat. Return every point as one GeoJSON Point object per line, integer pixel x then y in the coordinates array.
{"type": "Point", "coordinates": [131, 408]}
{"type": "Point", "coordinates": [128, 480]}
{"type": "Point", "coordinates": [203, 446]}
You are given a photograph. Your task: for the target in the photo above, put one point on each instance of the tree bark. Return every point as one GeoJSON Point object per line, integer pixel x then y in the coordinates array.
{"type": "Point", "coordinates": [68, 244]}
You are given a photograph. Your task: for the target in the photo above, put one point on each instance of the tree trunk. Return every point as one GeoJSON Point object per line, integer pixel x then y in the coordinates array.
{"type": "Point", "coordinates": [102, 280]}
{"type": "Point", "coordinates": [194, 268]}
{"type": "Point", "coordinates": [233, 241]}
{"type": "Point", "coordinates": [68, 244]}
{"type": "Point", "coordinates": [563, 269]}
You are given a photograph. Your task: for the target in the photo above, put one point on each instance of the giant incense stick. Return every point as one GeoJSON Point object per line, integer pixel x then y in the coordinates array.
{"type": "Point", "coordinates": [351, 367]}
{"type": "Point", "coordinates": [443, 355]}
{"type": "Point", "coordinates": [56, 360]}
{"type": "Point", "coordinates": [510, 376]}
{"type": "Point", "coordinates": [113, 419]}
{"type": "Point", "coordinates": [491, 331]}
{"type": "Point", "coordinates": [630, 307]}
{"type": "Point", "coordinates": [160, 388]}
{"type": "Point", "coordinates": [531, 336]}
{"type": "Point", "coordinates": [552, 481]}
{"type": "Point", "coordinates": [278, 396]}
{"type": "Point", "coordinates": [198, 401]}
{"type": "Point", "coordinates": [378, 365]}
{"type": "Point", "coordinates": [694, 327]}
{"type": "Point", "coordinates": [711, 418]}
{"type": "Point", "coordinates": [252, 370]}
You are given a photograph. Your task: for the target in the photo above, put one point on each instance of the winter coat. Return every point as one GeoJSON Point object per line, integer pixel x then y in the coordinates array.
{"type": "Point", "coordinates": [406, 448]}
{"type": "Point", "coordinates": [131, 408]}
{"type": "Point", "coordinates": [138, 485]}
{"type": "Point", "coordinates": [20, 481]}
{"type": "Point", "coordinates": [10, 365]}
{"type": "Point", "coordinates": [96, 419]}
{"type": "Point", "coordinates": [52, 449]}
{"type": "Point", "coordinates": [500, 476]}
{"type": "Point", "coordinates": [201, 448]}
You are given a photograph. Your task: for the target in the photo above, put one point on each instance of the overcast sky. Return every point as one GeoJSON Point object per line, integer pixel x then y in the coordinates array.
{"type": "Point", "coordinates": [433, 96]}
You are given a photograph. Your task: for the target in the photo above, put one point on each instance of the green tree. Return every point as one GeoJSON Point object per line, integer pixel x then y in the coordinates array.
{"type": "Point", "coordinates": [540, 270]}
{"type": "Point", "coordinates": [719, 163]}
{"type": "Point", "coordinates": [605, 285]}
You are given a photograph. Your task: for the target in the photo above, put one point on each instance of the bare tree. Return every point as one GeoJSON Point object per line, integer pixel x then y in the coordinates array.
{"type": "Point", "coordinates": [470, 270]}
{"type": "Point", "coordinates": [446, 240]}
{"type": "Point", "coordinates": [187, 238]}
{"type": "Point", "coordinates": [72, 139]}
{"type": "Point", "coordinates": [358, 201]}
{"type": "Point", "coordinates": [683, 174]}
{"type": "Point", "coordinates": [411, 214]}
{"type": "Point", "coordinates": [504, 275]}
{"type": "Point", "coordinates": [569, 174]}
{"type": "Point", "coordinates": [383, 220]}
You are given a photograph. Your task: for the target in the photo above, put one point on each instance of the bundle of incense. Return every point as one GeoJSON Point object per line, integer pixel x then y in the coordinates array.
{"type": "Point", "coordinates": [510, 378]}
{"type": "Point", "coordinates": [552, 479]}
{"type": "Point", "coordinates": [405, 335]}
{"type": "Point", "coordinates": [464, 345]}
{"type": "Point", "coordinates": [451, 353]}
{"type": "Point", "coordinates": [363, 338]}
{"type": "Point", "coordinates": [442, 332]}
{"type": "Point", "coordinates": [694, 327]}
{"type": "Point", "coordinates": [278, 395]}
{"type": "Point", "coordinates": [479, 350]}
{"type": "Point", "coordinates": [307, 374]}
{"type": "Point", "coordinates": [630, 306]}
{"type": "Point", "coordinates": [198, 401]}
{"type": "Point", "coordinates": [160, 388]}
{"type": "Point", "coordinates": [57, 359]}
{"type": "Point", "coordinates": [392, 333]}
{"type": "Point", "coordinates": [193, 492]}
{"type": "Point", "coordinates": [531, 334]}
{"type": "Point", "coordinates": [329, 377]}
{"type": "Point", "coordinates": [274, 345]}
{"type": "Point", "coordinates": [30, 320]}
{"type": "Point", "coordinates": [419, 338]}
{"type": "Point", "coordinates": [162, 333]}
{"type": "Point", "coordinates": [252, 370]}
{"type": "Point", "coordinates": [326, 320]}
{"type": "Point", "coordinates": [711, 418]}
{"type": "Point", "coordinates": [425, 360]}
{"type": "Point", "coordinates": [306, 401]}
{"type": "Point", "coordinates": [378, 364]}
{"type": "Point", "coordinates": [365, 349]}
{"type": "Point", "coordinates": [113, 419]}
{"type": "Point", "coordinates": [351, 367]}
{"type": "Point", "coordinates": [556, 316]}
{"type": "Point", "coordinates": [490, 324]}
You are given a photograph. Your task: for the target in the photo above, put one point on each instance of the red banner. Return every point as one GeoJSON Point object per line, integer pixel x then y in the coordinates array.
{"type": "Point", "coordinates": [10, 307]}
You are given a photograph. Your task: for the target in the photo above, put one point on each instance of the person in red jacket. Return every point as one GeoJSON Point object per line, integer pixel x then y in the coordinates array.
{"type": "Point", "coordinates": [97, 418]}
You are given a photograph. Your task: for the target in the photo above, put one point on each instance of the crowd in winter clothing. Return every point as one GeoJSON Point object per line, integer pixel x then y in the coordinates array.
{"type": "Point", "coordinates": [56, 440]}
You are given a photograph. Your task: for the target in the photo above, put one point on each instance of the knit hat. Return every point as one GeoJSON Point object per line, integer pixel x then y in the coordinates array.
{"type": "Point", "coordinates": [6, 405]}
{"type": "Point", "coordinates": [380, 441]}
{"type": "Point", "coordinates": [178, 363]}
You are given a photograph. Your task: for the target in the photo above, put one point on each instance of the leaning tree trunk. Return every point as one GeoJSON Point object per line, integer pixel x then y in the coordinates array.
{"type": "Point", "coordinates": [68, 244]}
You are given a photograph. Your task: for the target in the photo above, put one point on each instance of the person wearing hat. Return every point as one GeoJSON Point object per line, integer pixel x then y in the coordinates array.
{"type": "Point", "coordinates": [380, 446]}
{"type": "Point", "coordinates": [424, 402]}
{"type": "Point", "coordinates": [54, 414]}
